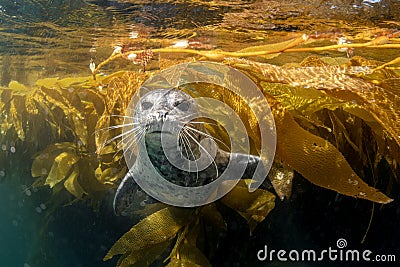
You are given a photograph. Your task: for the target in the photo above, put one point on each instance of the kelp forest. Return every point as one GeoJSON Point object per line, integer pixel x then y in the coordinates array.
{"type": "Point", "coordinates": [336, 111]}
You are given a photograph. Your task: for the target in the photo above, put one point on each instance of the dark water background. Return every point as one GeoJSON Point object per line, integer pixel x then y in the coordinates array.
{"type": "Point", "coordinates": [57, 38]}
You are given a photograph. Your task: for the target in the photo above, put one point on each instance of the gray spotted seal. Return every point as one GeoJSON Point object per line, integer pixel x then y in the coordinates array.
{"type": "Point", "coordinates": [157, 113]}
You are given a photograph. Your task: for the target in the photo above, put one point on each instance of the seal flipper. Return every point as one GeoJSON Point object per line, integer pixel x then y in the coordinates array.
{"type": "Point", "coordinates": [251, 162]}
{"type": "Point", "coordinates": [279, 177]}
{"type": "Point", "coordinates": [130, 197]}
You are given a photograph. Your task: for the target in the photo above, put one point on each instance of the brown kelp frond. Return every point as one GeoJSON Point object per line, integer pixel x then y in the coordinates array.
{"type": "Point", "coordinates": [182, 228]}
{"type": "Point", "coordinates": [158, 229]}
{"type": "Point", "coordinates": [120, 89]}
{"type": "Point", "coordinates": [254, 207]}
{"type": "Point", "coordinates": [79, 173]}
{"type": "Point", "coordinates": [61, 118]}
{"type": "Point", "coordinates": [185, 251]}
{"type": "Point", "coordinates": [290, 99]}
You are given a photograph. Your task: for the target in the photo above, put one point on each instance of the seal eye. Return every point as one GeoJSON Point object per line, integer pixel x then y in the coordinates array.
{"type": "Point", "coordinates": [146, 105]}
{"type": "Point", "coordinates": [182, 106]}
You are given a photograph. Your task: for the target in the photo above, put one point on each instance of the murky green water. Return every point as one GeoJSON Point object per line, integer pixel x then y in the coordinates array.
{"type": "Point", "coordinates": [59, 38]}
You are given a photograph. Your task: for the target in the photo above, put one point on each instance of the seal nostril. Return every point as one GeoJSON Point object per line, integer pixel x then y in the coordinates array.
{"type": "Point", "coordinates": [161, 115]}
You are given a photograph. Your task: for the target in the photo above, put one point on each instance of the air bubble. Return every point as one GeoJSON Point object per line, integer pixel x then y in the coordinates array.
{"type": "Point", "coordinates": [28, 192]}
{"type": "Point", "coordinates": [3, 147]}
{"type": "Point", "coordinates": [44, 171]}
{"type": "Point", "coordinates": [132, 56]}
{"type": "Point", "coordinates": [12, 149]}
{"type": "Point", "coordinates": [26, 265]}
{"type": "Point", "coordinates": [15, 223]}
{"type": "Point", "coordinates": [43, 206]}
{"type": "Point", "coordinates": [2, 173]}
{"type": "Point", "coordinates": [38, 210]}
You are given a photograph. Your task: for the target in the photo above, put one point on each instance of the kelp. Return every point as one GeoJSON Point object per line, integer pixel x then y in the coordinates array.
{"type": "Point", "coordinates": [185, 251]}
{"type": "Point", "coordinates": [298, 111]}
{"type": "Point", "coordinates": [324, 110]}
{"type": "Point", "coordinates": [384, 41]}
{"type": "Point", "coordinates": [155, 230]}
{"type": "Point", "coordinates": [296, 146]}
{"type": "Point", "coordinates": [63, 163]}
{"type": "Point", "coordinates": [69, 110]}
{"type": "Point", "coordinates": [339, 83]}
{"type": "Point", "coordinates": [254, 207]}
{"type": "Point", "coordinates": [293, 104]}
{"type": "Point", "coordinates": [153, 235]}
{"type": "Point", "coordinates": [121, 86]}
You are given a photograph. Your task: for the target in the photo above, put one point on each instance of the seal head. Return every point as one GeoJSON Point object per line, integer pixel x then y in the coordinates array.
{"type": "Point", "coordinates": [169, 114]}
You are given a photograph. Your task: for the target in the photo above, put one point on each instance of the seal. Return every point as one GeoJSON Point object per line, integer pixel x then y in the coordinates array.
{"type": "Point", "coordinates": [158, 114]}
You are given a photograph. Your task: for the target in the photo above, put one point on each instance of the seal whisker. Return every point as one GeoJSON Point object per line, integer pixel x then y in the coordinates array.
{"type": "Point", "coordinates": [207, 135]}
{"type": "Point", "coordinates": [130, 131]}
{"type": "Point", "coordinates": [183, 144]}
{"type": "Point", "coordinates": [191, 151]}
{"type": "Point", "coordinates": [129, 142]}
{"type": "Point", "coordinates": [139, 136]}
{"type": "Point", "coordinates": [126, 135]}
{"type": "Point", "coordinates": [116, 127]}
{"type": "Point", "coordinates": [205, 150]}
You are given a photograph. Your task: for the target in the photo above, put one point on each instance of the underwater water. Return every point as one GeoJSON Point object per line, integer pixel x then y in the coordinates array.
{"type": "Point", "coordinates": [60, 213]}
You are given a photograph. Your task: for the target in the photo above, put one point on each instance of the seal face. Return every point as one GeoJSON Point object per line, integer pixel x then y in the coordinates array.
{"type": "Point", "coordinates": [164, 115]}
{"type": "Point", "coordinates": [161, 116]}
{"type": "Point", "coordinates": [164, 105]}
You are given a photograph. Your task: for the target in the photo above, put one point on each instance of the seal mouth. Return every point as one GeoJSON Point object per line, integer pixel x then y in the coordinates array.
{"type": "Point", "coordinates": [158, 132]}
{"type": "Point", "coordinates": [165, 128]}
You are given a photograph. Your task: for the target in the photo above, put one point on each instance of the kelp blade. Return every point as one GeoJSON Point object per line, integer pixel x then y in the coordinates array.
{"type": "Point", "coordinates": [312, 156]}
{"type": "Point", "coordinates": [254, 207]}
{"type": "Point", "coordinates": [154, 229]}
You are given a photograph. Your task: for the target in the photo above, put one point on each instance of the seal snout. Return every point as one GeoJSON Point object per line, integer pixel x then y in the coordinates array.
{"type": "Point", "coordinates": [161, 115]}
{"type": "Point", "coordinates": [156, 121]}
